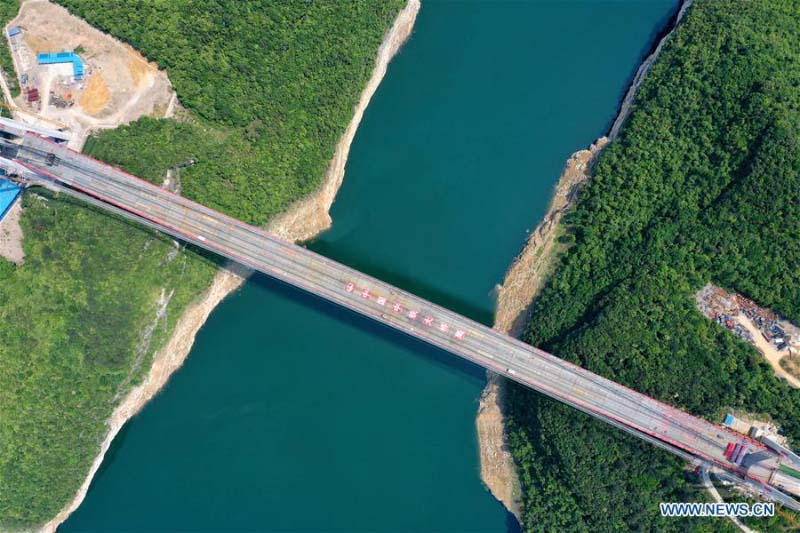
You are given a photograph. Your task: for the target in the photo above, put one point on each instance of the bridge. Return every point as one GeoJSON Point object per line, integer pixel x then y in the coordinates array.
{"type": "Point", "coordinates": [764, 468]}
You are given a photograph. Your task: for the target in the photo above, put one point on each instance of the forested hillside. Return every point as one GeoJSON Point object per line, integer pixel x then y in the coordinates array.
{"type": "Point", "coordinates": [270, 86]}
{"type": "Point", "coordinates": [702, 185]}
{"type": "Point", "coordinates": [8, 9]}
{"type": "Point", "coordinates": [277, 81]}
{"type": "Point", "coordinates": [78, 326]}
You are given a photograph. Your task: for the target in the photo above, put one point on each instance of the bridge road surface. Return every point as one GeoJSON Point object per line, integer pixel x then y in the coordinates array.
{"type": "Point", "coordinates": [690, 437]}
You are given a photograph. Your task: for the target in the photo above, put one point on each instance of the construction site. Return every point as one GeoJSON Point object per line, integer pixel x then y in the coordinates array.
{"type": "Point", "coordinates": [774, 336]}
{"type": "Point", "coordinates": [727, 308]}
{"type": "Point", "coordinates": [74, 80]}
{"type": "Point", "coordinates": [74, 77]}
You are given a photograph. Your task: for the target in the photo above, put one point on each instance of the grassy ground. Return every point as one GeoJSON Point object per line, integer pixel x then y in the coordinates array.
{"type": "Point", "coordinates": [72, 323]}
{"type": "Point", "coordinates": [73, 318]}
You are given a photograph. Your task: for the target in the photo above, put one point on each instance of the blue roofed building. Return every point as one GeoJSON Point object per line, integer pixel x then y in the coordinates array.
{"type": "Point", "coordinates": [63, 57]}
{"type": "Point", "coordinates": [9, 192]}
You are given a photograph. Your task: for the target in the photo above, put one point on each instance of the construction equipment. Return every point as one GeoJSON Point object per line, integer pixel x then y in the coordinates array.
{"type": "Point", "coordinates": [13, 107]}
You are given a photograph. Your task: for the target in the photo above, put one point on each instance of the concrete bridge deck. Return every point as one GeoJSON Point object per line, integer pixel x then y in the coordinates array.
{"type": "Point", "coordinates": [693, 438]}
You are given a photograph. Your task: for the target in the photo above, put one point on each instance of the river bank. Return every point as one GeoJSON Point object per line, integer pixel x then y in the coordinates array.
{"type": "Point", "coordinates": [524, 280]}
{"type": "Point", "coordinates": [301, 221]}
{"type": "Point", "coordinates": [515, 298]}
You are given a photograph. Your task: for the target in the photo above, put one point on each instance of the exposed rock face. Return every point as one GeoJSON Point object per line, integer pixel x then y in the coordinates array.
{"type": "Point", "coordinates": [310, 216]}
{"type": "Point", "coordinates": [530, 268]}
{"type": "Point", "coordinates": [515, 299]}
{"type": "Point", "coordinates": [498, 472]}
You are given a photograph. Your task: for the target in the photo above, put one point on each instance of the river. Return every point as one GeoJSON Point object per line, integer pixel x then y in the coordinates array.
{"type": "Point", "coordinates": [292, 414]}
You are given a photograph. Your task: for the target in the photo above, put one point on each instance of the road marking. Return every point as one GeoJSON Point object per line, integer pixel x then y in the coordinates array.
{"type": "Point", "coordinates": [539, 370]}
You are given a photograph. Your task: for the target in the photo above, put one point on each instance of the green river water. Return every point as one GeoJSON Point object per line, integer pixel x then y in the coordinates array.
{"type": "Point", "coordinates": [293, 414]}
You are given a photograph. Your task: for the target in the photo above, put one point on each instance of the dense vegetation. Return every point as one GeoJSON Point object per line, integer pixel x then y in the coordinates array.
{"type": "Point", "coordinates": [270, 87]}
{"type": "Point", "coordinates": [703, 185]}
{"type": "Point", "coordinates": [8, 10]}
{"type": "Point", "coordinates": [73, 338]}
{"type": "Point", "coordinates": [278, 80]}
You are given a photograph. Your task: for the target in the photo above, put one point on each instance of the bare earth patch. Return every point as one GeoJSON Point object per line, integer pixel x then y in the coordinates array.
{"type": "Point", "coordinates": [768, 350]}
{"type": "Point", "coordinates": [96, 96]}
{"type": "Point", "coordinates": [139, 68]}
{"type": "Point", "coordinates": [791, 364]}
{"type": "Point", "coordinates": [119, 85]}
{"type": "Point", "coordinates": [11, 235]}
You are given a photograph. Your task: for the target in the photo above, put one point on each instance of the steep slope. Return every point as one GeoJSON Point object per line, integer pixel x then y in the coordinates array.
{"type": "Point", "coordinates": [702, 185]}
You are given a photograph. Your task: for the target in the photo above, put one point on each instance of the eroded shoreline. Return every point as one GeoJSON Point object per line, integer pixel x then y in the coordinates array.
{"type": "Point", "coordinates": [515, 298]}
{"type": "Point", "coordinates": [522, 283]}
{"type": "Point", "coordinates": [301, 221]}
